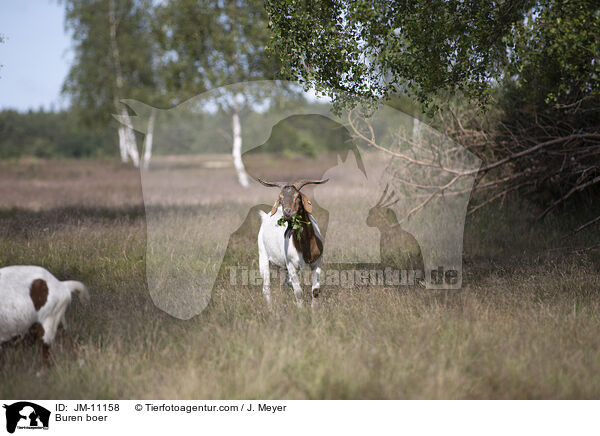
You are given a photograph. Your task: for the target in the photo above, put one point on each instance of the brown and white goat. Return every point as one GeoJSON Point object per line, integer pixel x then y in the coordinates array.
{"type": "Point", "coordinates": [295, 246]}
{"type": "Point", "coordinates": [33, 301]}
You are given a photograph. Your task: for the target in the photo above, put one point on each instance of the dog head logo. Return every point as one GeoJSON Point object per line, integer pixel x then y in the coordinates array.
{"type": "Point", "coordinates": [26, 415]}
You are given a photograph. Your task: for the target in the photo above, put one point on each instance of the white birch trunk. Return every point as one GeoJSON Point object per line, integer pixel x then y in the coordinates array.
{"type": "Point", "coordinates": [132, 147]}
{"type": "Point", "coordinates": [127, 140]}
{"type": "Point", "coordinates": [149, 139]}
{"type": "Point", "coordinates": [127, 143]}
{"type": "Point", "coordinates": [237, 149]}
{"type": "Point", "coordinates": [123, 144]}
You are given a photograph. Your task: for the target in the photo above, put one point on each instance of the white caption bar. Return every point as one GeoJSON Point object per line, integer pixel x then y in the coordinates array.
{"type": "Point", "coordinates": [300, 417]}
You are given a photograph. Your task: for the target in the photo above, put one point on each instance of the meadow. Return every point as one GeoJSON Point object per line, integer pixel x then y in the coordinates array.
{"type": "Point", "coordinates": [526, 323]}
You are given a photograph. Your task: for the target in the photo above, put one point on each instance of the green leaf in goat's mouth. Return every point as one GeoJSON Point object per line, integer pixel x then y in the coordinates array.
{"type": "Point", "coordinates": [296, 223]}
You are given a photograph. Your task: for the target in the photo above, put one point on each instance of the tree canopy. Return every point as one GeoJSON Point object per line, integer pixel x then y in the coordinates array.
{"type": "Point", "coordinates": [373, 49]}
{"type": "Point", "coordinates": [92, 82]}
{"type": "Point", "coordinates": [538, 61]}
{"type": "Point", "coordinates": [353, 49]}
{"type": "Point", "coordinates": [211, 43]}
{"type": "Point", "coordinates": [554, 53]}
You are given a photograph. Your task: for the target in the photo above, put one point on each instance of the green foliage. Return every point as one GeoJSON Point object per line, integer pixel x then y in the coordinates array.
{"type": "Point", "coordinates": [539, 58]}
{"type": "Point", "coordinates": [296, 225]}
{"type": "Point", "coordinates": [195, 132]}
{"type": "Point", "coordinates": [367, 49]}
{"type": "Point", "coordinates": [93, 81]}
{"type": "Point", "coordinates": [49, 135]}
{"type": "Point", "coordinates": [60, 134]}
{"type": "Point", "coordinates": [211, 43]}
{"type": "Point", "coordinates": [553, 91]}
{"type": "Point", "coordinates": [307, 135]}
{"type": "Point", "coordinates": [370, 49]}
{"type": "Point", "coordinates": [554, 54]}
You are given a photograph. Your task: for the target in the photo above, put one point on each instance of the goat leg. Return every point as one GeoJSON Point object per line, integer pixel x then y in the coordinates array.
{"type": "Point", "coordinates": [293, 275]}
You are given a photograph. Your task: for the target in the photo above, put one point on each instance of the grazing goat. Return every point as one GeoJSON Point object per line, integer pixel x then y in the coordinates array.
{"type": "Point", "coordinates": [33, 300]}
{"type": "Point", "coordinates": [294, 247]}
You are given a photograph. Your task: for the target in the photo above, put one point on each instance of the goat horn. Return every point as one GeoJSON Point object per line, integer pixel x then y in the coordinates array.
{"type": "Point", "coordinates": [271, 184]}
{"type": "Point", "coordinates": [300, 183]}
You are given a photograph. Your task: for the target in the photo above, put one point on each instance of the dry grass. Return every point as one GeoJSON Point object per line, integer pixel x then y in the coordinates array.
{"type": "Point", "coordinates": [525, 324]}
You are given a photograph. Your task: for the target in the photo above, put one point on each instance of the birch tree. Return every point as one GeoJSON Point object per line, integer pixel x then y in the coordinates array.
{"type": "Point", "coordinates": [114, 59]}
{"type": "Point", "coordinates": [218, 42]}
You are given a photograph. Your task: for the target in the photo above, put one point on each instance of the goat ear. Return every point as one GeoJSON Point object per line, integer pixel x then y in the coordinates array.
{"type": "Point", "coordinates": [274, 209]}
{"type": "Point", "coordinates": [306, 203]}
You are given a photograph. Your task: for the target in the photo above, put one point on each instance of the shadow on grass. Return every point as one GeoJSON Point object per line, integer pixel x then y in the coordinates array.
{"type": "Point", "coordinates": [22, 222]}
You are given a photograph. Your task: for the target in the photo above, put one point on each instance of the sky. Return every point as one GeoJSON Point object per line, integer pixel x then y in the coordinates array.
{"type": "Point", "coordinates": [35, 55]}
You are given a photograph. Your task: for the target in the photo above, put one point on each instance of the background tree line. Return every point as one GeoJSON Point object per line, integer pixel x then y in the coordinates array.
{"type": "Point", "coordinates": [516, 81]}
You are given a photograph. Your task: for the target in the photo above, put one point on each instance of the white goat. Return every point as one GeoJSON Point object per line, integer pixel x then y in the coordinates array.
{"type": "Point", "coordinates": [294, 247]}
{"type": "Point", "coordinates": [31, 298]}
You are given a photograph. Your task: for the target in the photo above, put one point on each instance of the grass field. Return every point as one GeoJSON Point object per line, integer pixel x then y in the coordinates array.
{"type": "Point", "coordinates": [526, 323]}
